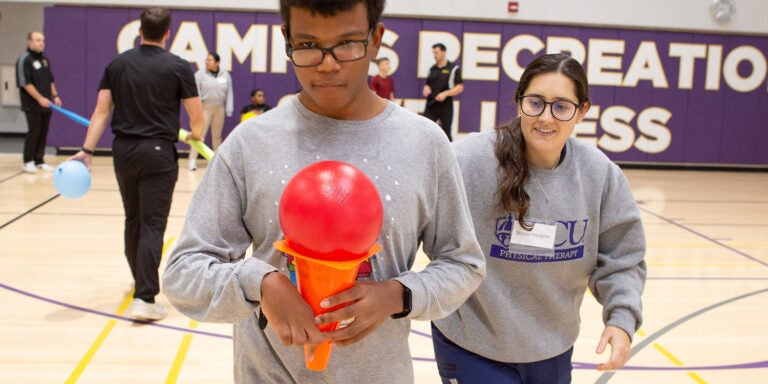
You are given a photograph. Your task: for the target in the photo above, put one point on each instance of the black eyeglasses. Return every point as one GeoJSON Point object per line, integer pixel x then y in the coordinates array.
{"type": "Point", "coordinates": [562, 110]}
{"type": "Point", "coordinates": [346, 51]}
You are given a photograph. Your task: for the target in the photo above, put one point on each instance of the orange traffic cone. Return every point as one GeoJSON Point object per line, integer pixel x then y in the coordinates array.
{"type": "Point", "coordinates": [331, 214]}
{"type": "Point", "coordinates": [317, 280]}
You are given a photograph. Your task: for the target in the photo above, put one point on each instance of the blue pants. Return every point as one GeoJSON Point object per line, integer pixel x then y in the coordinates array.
{"type": "Point", "coordinates": [459, 366]}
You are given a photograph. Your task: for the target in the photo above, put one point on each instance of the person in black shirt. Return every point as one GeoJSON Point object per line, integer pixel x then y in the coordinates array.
{"type": "Point", "coordinates": [145, 86]}
{"type": "Point", "coordinates": [443, 83]}
{"type": "Point", "coordinates": [38, 91]}
{"type": "Point", "coordinates": [256, 107]}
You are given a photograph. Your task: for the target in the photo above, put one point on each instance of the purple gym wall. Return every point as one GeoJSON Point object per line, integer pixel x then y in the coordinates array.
{"type": "Point", "coordinates": [658, 97]}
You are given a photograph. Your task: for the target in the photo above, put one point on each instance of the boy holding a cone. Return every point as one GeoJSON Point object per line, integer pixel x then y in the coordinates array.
{"type": "Point", "coordinates": [334, 117]}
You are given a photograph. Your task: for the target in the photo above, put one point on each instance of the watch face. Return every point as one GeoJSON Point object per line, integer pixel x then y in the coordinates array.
{"type": "Point", "coordinates": [722, 10]}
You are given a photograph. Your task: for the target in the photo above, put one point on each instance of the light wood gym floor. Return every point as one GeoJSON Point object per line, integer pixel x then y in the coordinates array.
{"type": "Point", "coordinates": [64, 288]}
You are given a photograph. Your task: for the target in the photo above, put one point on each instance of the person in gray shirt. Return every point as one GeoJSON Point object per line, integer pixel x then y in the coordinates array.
{"type": "Point", "coordinates": [334, 117]}
{"type": "Point", "coordinates": [215, 87]}
{"type": "Point", "coordinates": [553, 216]}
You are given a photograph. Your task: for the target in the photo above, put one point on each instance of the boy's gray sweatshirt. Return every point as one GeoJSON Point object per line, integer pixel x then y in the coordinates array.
{"type": "Point", "coordinates": [527, 307]}
{"type": "Point", "coordinates": [235, 207]}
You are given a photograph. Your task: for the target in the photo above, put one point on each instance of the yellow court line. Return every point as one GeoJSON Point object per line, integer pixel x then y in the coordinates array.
{"type": "Point", "coordinates": [107, 329]}
{"type": "Point", "coordinates": [98, 342]}
{"type": "Point", "coordinates": [677, 362]}
{"type": "Point", "coordinates": [167, 244]}
{"type": "Point", "coordinates": [181, 354]}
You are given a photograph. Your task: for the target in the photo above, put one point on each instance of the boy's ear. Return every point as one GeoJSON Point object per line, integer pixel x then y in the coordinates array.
{"type": "Point", "coordinates": [376, 38]}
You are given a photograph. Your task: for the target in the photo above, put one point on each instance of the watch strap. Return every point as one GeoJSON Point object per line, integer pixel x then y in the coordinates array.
{"type": "Point", "coordinates": [407, 303]}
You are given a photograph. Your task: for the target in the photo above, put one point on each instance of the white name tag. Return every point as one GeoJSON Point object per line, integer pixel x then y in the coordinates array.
{"type": "Point", "coordinates": [221, 80]}
{"type": "Point", "coordinates": [37, 64]}
{"type": "Point", "coordinates": [541, 236]}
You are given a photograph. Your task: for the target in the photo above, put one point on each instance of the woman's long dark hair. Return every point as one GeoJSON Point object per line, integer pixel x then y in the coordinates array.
{"type": "Point", "coordinates": [514, 171]}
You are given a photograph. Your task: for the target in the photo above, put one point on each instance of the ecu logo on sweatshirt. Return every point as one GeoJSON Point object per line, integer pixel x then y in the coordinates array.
{"type": "Point", "coordinates": [568, 242]}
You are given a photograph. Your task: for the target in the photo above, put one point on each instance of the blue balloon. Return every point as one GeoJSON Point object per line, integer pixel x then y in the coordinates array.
{"type": "Point", "coordinates": [72, 179]}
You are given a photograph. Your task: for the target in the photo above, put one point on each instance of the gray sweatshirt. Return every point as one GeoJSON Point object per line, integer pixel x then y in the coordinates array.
{"type": "Point", "coordinates": [527, 308]}
{"type": "Point", "coordinates": [216, 90]}
{"type": "Point", "coordinates": [235, 207]}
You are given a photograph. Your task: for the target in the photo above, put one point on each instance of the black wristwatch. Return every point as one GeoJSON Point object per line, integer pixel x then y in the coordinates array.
{"type": "Point", "coordinates": [407, 303]}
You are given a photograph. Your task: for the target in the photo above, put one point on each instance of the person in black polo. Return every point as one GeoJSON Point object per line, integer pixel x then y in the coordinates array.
{"type": "Point", "coordinates": [38, 91]}
{"type": "Point", "coordinates": [443, 83]}
{"type": "Point", "coordinates": [145, 85]}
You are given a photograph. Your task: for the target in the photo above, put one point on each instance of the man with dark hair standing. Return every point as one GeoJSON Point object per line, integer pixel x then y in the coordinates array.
{"type": "Point", "coordinates": [443, 83]}
{"type": "Point", "coordinates": [145, 85]}
{"type": "Point", "coordinates": [38, 92]}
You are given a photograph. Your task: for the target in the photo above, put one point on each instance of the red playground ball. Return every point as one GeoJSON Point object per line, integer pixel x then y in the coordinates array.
{"type": "Point", "coordinates": [332, 211]}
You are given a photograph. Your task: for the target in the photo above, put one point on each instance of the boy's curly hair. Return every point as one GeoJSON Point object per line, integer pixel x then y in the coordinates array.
{"type": "Point", "coordinates": [331, 7]}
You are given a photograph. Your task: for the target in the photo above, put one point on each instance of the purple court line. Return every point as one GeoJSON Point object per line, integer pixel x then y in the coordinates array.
{"type": "Point", "coordinates": [605, 377]}
{"type": "Point", "coordinates": [132, 320]}
{"type": "Point", "coordinates": [105, 314]}
{"type": "Point", "coordinates": [421, 333]}
{"type": "Point", "coordinates": [704, 236]}
{"type": "Point", "coordinates": [576, 365]}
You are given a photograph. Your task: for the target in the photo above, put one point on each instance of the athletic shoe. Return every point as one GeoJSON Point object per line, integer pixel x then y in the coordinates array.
{"type": "Point", "coordinates": [192, 166]}
{"type": "Point", "coordinates": [45, 167]}
{"type": "Point", "coordinates": [141, 310]}
{"type": "Point", "coordinates": [29, 167]}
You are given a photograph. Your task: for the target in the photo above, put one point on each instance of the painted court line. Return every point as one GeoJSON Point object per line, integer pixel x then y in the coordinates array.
{"type": "Point", "coordinates": [191, 330]}
{"type": "Point", "coordinates": [109, 315]}
{"type": "Point", "coordinates": [181, 354]}
{"type": "Point", "coordinates": [80, 368]}
{"type": "Point", "coordinates": [12, 176]}
{"type": "Point", "coordinates": [9, 222]}
{"type": "Point", "coordinates": [605, 377]}
{"type": "Point", "coordinates": [683, 227]}
{"type": "Point", "coordinates": [107, 330]}
{"type": "Point", "coordinates": [676, 361]}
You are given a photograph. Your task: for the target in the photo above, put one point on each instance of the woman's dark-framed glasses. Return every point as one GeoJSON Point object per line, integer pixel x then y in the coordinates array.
{"type": "Point", "coordinates": [346, 51]}
{"type": "Point", "coordinates": [562, 110]}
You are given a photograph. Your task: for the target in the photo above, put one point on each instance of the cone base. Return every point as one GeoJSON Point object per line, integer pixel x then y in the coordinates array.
{"type": "Point", "coordinates": [318, 361]}
{"type": "Point", "coordinates": [317, 280]}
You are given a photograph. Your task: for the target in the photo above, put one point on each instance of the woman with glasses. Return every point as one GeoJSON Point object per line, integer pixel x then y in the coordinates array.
{"type": "Point", "coordinates": [553, 216]}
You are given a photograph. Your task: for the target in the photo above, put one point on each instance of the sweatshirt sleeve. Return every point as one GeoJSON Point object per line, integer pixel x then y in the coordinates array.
{"type": "Point", "coordinates": [457, 264]}
{"type": "Point", "coordinates": [208, 278]}
{"type": "Point", "coordinates": [230, 102]}
{"type": "Point", "coordinates": [618, 280]}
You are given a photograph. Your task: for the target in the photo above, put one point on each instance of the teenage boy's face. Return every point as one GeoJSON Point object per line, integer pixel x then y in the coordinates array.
{"type": "Point", "coordinates": [334, 89]}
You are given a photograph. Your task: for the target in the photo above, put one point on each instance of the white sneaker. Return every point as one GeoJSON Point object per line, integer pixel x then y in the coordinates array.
{"type": "Point", "coordinates": [141, 310]}
{"type": "Point", "coordinates": [192, 166]}
{"type": "Point", "coordinates": [29, 167]}
{"type": "Point", "coordinates": [45, 167]}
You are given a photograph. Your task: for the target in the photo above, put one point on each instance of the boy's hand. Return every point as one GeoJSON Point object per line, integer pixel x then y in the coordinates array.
{"type": "Point", "coordinates": [287, 312]}
{"type": "Point", "coordinates": [370, 304]}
